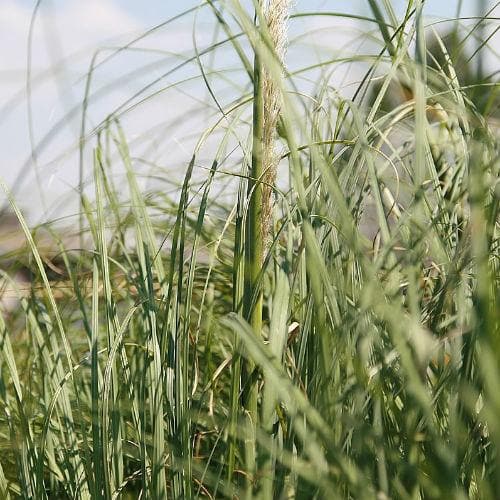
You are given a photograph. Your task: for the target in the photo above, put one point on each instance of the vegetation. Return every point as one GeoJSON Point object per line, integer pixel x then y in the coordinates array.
{"type": "Point", "coordinates": [330, 331]}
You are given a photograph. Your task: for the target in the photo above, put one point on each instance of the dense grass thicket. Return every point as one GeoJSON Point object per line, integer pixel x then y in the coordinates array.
{"type": "Point", "coordinates": [313, 312]}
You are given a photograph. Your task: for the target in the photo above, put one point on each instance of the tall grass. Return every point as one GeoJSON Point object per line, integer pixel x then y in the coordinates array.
{"type": "Point", "coordinates": [311, 313]}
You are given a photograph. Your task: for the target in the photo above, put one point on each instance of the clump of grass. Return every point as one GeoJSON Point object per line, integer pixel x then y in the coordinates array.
{"type": "Point", "coordinates": [332, 334]}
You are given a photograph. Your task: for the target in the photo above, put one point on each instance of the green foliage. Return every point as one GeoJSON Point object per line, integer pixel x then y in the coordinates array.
{"type": "Point", "coordinates": [373, 367]}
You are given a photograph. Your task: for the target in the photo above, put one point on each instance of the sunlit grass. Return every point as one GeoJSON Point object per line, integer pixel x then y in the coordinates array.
{"type": "Point", "coordinates": [345, 344]}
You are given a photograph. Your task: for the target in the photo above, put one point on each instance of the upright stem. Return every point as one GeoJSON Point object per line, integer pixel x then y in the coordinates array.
{"type": "Point", "coordinates": [254, 235]}
{"type": "Point", "coordinates": [254, 246]}
{"type": "Point", "coordinates": [269, 48]}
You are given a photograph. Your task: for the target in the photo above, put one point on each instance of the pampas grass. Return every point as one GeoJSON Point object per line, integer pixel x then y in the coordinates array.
{"type": "Point", "coordinates": [269, 49]}
{"type": "Point", "coordinates": [331, 335]}
{"type": "Point", "coordinates": [276, 15]}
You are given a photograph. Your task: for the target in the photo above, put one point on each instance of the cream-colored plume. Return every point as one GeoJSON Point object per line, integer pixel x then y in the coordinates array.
{"type": "Point", "coordinates": [276, 14]}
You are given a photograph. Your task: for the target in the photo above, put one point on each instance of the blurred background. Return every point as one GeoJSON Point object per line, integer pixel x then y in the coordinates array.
{"type": "Point", "coordinates": [145, 73]}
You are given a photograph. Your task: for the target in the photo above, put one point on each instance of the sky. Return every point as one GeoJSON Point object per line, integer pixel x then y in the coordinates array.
{"type": "Point", "coordinates": [65, 36]}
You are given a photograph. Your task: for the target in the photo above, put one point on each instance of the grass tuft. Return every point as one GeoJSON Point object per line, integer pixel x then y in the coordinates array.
{"type": "Point", "coordinates": [309, 310]}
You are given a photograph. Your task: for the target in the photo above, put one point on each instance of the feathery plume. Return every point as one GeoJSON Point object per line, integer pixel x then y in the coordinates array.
{"type": "Point", "coordinates": [276, 14]}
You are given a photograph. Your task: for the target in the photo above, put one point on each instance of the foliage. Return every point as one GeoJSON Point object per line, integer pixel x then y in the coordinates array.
{"type": "Point", "coordinates": [375, 366]}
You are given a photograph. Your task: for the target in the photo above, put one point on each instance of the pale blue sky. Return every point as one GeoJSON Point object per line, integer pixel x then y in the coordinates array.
{"type": "Point", "coordinates": [151, 11]}
{"type": "Point", "coordinates": [68, 27]}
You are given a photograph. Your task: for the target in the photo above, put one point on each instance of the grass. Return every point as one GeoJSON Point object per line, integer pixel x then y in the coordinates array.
{"type": "Point", "coordinates": [342, 342]}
